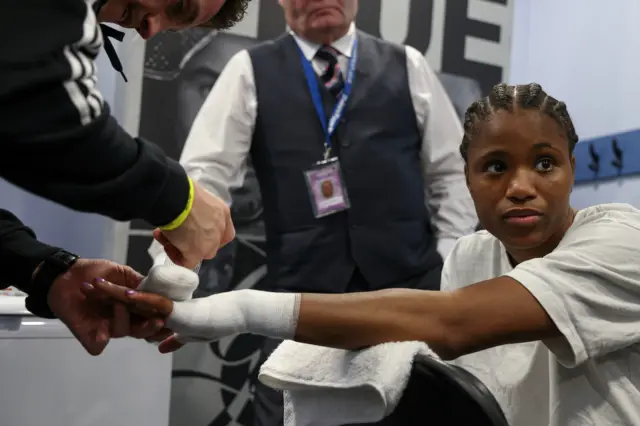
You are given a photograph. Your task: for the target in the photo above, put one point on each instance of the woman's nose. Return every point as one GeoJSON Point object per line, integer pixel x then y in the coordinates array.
{"type": "Point", "coordinates": [521, 186]}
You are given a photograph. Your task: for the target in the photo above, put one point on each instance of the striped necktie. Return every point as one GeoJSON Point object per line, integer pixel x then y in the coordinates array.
{"type": "Point", "coordinates": [332, 76]}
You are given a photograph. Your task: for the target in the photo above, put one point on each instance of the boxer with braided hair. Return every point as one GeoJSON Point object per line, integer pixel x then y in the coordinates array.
{"type": "Point", "coordinates": [546, 297]}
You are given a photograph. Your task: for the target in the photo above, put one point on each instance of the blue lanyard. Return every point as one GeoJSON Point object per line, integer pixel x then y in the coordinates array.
{"type": "Point", "coordinates": [338, 110]}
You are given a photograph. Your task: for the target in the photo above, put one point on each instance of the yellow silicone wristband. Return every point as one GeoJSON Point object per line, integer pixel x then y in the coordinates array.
{"type": "Point", "coordinates": [183, 216]}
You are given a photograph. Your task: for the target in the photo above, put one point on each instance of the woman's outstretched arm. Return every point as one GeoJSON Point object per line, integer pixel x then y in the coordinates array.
{"type": "Point", "coordinates": [490, 313]}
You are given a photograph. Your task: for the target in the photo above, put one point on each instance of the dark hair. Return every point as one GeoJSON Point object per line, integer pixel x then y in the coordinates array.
{"type": "Point", "coordinates": [508, 97]}
{"type": "Point", "coordinates": [231, 12]}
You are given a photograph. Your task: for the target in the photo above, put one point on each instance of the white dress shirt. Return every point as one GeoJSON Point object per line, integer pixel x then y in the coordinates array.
{"type": "Point", "coordinates": [218, 144]}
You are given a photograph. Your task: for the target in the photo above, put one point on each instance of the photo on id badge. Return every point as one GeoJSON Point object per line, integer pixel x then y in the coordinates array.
{"type": "Point", "coordinates": [326, 189]}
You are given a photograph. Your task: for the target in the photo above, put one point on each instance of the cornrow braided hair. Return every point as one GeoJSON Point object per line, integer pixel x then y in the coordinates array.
{"type": "Point", "coordinates": [509, 97]}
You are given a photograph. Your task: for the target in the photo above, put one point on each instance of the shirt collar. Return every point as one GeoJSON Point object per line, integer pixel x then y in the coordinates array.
{"type": "Point", "coordinates": [344, 44]}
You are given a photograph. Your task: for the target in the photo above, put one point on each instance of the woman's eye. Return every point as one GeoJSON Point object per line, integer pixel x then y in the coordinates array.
{"type": "Point", "coordinates": [495, 167]}
{"type": "Point", "coordinates": [544, 165]}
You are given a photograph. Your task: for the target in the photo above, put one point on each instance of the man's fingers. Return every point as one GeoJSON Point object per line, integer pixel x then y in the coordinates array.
{"type": "Point", "coordinates": [159, 236]}
{"type": "Point", "coordinates": [173, 252]}
{"type": "Point", "coordinates": [90, 292]}
{"type": "Point", "coordinates": [127, 319]}
{"type": "Point", "coordinates": [147, 304]}
{"type": "Point", "coordinates": [169, 345]}
{"type": "Point", "coordinates": [229, 232]}
{"type": "Point", "coordinates": [95, 340]}
{"type": "Point", "coordinates": [105, 291]}
{"type": "Point", "coordinates": [188, 260]}
{"type": "Point", "coordinates": [143, 311]}
{"type": "Point", "coordinates": [146, 328]}
{"type": "Point", "coordinates": [177, 257]}
{"type": "Point", "coordinates": [123, 275]}
{"type": "Point", "coordinates": [160, 336]}
{"type": "Point", "coordinates": [120, 322]}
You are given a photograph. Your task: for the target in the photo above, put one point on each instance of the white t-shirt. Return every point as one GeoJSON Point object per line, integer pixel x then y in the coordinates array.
{"type": "Point", "coordinates": [590, 287]}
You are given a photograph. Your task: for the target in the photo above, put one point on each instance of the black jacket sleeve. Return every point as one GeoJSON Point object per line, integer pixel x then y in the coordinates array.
{"type": "Point", "coordinates": [59, 140]}
{"type": "Point", "coordinates": [20, 253]}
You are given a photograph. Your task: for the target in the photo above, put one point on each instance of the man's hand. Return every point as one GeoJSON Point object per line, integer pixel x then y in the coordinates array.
{"type": "Point", "coordinates": [148, 304]}
{"type": "Point", "coordinates": [93, 321]}
{"type": "Point", "coordinates": [207, 228]}
{"type": "Point", "coordinates": [197, 320]}
{"type": "Point", "coordinates": [210, 318]}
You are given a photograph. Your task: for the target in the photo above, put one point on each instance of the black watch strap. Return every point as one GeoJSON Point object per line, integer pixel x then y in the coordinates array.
{"type": "Point", "coordinates": [50, 269]}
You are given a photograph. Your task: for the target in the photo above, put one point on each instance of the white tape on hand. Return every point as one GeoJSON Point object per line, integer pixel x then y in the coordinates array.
{"type": "Point", "coordinates": [168, 261]}
{"type": "Point", "coordinates": [212, 318]}
{"type": "Point", "coordinates": [171, 281]}
{"type": "Point", "coordinates": [226, 314]}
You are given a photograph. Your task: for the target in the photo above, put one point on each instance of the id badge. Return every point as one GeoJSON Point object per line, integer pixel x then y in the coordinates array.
{"type": "Point", "coordinates": [327, 192]}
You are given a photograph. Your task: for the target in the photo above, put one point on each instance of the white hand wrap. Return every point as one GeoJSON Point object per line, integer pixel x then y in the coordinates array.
{"type": "Point", "coordinates": [244, 311]}
{"type": "Point", "coordinates": [171, 281]}
{"type": "Point", "coordinates": [211, 318]}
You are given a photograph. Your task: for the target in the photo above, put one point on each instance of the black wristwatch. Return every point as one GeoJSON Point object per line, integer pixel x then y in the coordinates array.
{"type": "Point", "coordinates": [50, 269]}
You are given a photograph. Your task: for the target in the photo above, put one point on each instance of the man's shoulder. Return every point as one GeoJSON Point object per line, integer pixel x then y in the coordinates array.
{"type": "Point", "coordinates": [267, 47]}
{"type": "Point", "coordinates": [405, 48]}
{"type": "Point", "coordinates": [370, 38]}
{"type": "Point", "coordinates": [412, 56]}
{"type": "Point", "coordinates": [53, 25]}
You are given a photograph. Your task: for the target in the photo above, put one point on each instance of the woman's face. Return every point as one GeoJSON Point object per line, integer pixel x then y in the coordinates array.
{"type": "Point", "coordinates": [520, 174]}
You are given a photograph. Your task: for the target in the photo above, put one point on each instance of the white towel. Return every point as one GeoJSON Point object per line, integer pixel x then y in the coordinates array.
{"type": "Point", "coordinates": [330, 387]}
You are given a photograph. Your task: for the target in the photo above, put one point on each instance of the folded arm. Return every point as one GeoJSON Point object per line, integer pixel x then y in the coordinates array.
{"type": "Point", "coordinates": [216, 150]}
{"type": "Point", "coordinates": [59, 139]}
{"type": "Point", "coordinates": [20, 255]}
